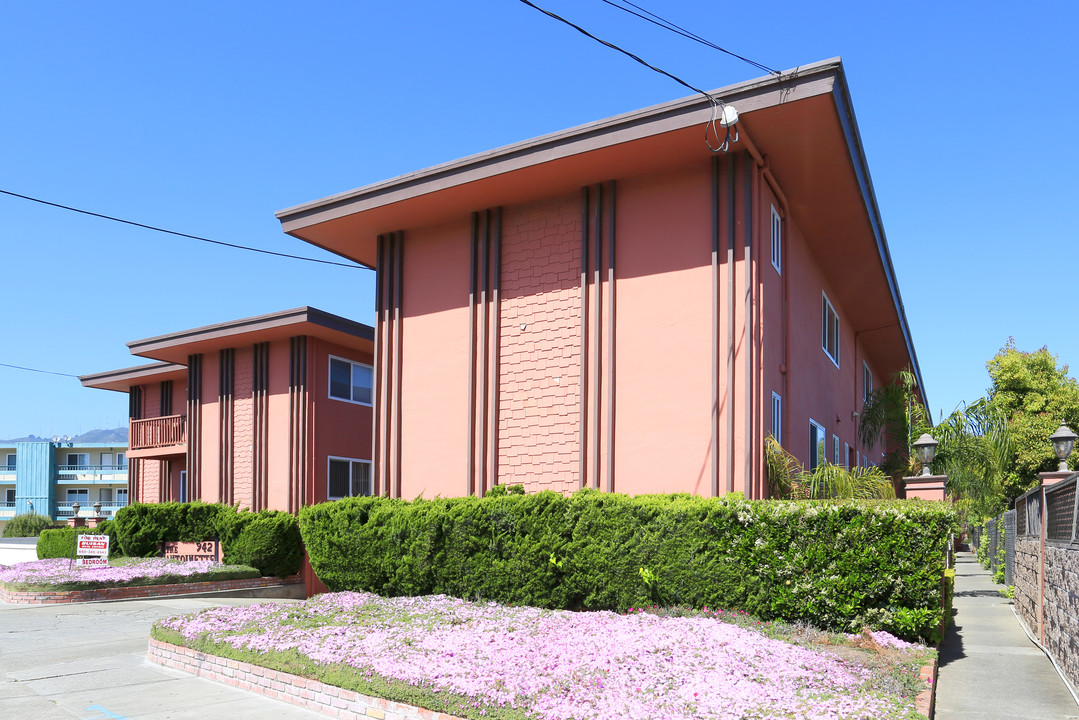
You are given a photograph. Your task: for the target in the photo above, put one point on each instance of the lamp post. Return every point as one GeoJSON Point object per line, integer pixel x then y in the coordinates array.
{"type": "Point", "coordinates": [926, 447]}
{"type": "Point", "coordinates": [1063, 441]}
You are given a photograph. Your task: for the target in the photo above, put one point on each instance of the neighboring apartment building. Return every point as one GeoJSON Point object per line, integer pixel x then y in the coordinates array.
{"type": "Point", "coordinates": [49, 477]}
{"type": "Point", "coordinates": [616, 306]}
{"type": "Point", "coordinates": [270, 412]}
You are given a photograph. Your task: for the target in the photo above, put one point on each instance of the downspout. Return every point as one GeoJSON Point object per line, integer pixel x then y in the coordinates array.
{"type": "Point", "coordinates": [784, 214]}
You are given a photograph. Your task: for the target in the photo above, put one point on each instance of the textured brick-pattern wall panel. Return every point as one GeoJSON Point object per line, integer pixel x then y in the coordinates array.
{"type": "Point", "coordinates": [149, 485]}
{"type": "Point", "coordinates": [539, 383]}
{"type": "Point", "coordinates": [310, 694]}
{"type": "Point", "coordinates": [243, 427]}
{"type": "Point", "coordinates": [1062, 608]}
{"type": "Point", "coordinates": [1026, 580]}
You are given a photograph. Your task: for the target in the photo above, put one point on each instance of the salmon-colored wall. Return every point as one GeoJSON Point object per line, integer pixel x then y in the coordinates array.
{"type": "Point", "coordinates": [243, 427]}
{"type": "Point", "coordinates": [663, 334]}
{"type": "Point", "coordinates": [277, 455]}
{"type": "Point", "coordinates": [340, 429]}
{"type": "Point", "coordinates": [210, 457]}
{"type": "Point", "coordinates": [434, 372]}
{"type": "Point", "coordinates": [540, 356]}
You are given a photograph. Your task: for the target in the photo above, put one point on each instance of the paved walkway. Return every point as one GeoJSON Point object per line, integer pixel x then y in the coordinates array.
{"type": "Point", "coordinates": [989, 669]}
{"type": "Point", "coordinates": [87, 661]}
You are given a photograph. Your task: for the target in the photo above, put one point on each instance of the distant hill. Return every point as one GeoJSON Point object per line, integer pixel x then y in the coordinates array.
{"type": "Point", "coordinates": [117, 435]}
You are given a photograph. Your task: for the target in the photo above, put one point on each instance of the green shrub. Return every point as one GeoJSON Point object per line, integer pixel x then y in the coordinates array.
{"type": "Point", "coordinates": [270, 543]}
{"type": "Point", "coordinates": [28, 525]}
{"type": "Point", "coordinates": [60, 542]}
{"type": "Point", "coordinates": [841, 565]}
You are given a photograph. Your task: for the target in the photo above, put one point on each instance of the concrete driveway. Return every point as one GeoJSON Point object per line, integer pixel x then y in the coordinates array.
{"type": "Point", "coordinates": [88, 661]}
{"type": "Point", "coordinates": [17, 550]}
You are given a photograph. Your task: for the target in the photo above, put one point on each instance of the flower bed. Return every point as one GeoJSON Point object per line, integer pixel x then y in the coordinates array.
{"type": "Point", "coordinates": [485, 660]}
{"type": "Point", "coordinates": [58, 574]}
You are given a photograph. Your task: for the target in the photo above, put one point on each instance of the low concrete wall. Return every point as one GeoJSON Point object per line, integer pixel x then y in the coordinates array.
{"type": "Point", "coordinates": [1062, 608]}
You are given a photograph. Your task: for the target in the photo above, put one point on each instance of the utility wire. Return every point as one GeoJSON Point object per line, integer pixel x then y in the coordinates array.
{"type": "Point", "coordinates": [627, 53]}
{"type": "Point", "coordinates": [180, 234]}
{"type": "Point", "coordinates": [679, 30]}
{"type": "Point", "coordinates": [47, 372]}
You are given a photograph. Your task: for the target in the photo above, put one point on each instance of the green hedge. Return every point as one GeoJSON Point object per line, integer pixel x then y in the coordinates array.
{"type": "Point", "coordinates": [26, 525]}
{"type": "Point", "coordinates": [272, 546]}
{"type": "Point", "coordinates": [840, 565]}
{"type": "Point", "coordinates": [60, 542]}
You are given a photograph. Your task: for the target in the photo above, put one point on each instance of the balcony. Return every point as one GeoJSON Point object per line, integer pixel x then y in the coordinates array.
{"type": "Point", "coordinates": [158, 437]}
{"type": "Point", "coordinates": [93, 474]}
{"type": "Point", "coordinates": [64, 510]}
{"type": "Point", "coordinates": [7, 469]}
{"type": "Point", "coordinates": [7, 510]}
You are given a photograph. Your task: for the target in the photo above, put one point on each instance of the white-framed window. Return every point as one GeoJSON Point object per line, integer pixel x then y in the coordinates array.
{"type": "Point", "coordinates": [867, 382]}
{"type": "Point", "coordinates": [11, 461]}
{"type": "Point", "coordinates": [106, 460]}
{"type": "Point", "coordinates": [121, 460]}
{"type": "Point", "coordinates": [829, 329]}
{"type": "Point", "coordinates": [817, 452]}
{"type": "Point", "coordinates": [79, 495]}
{"type": "Point", "coordinates": [846, 455]}
{"type": "Point", "coordinates": [777, 240]}
{"type": "Point", "coordinates": [858, 458]}
{"type": "Point", "coordinates": [777, 417]}
{"type": "Point", "coordinates": [183, 486]}
{"type": "Point", "coordinates": [9, 495]}
{"type": "Point", "coordinates": [78, 459]}
{"type": "Point", "coordinates": [835, 450]}
{"type": "Point", "coordinates": [346, 477]}
{"type": "Point", "coordinates": [350, 381]}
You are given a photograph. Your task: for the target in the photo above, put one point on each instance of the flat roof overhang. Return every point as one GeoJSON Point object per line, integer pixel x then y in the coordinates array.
{"type": "Point", "coordinates": [176, 347]}
{"type": "Point", "coordinates": [802, 123]}
{"type": "Point", "coordinates": [124, 379]}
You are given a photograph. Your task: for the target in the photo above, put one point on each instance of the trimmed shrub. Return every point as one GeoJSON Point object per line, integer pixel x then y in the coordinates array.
{"type": "Point", "coordinates": [269, 542]}
{"type": "Point", "coordinates": [28, 525]}
{"type": "Point", "coordinates": [842, 565]}
{"type": "Point", "coordinates": [60, 542]}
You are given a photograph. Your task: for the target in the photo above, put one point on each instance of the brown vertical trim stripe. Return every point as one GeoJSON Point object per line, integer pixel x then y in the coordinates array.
{"type": "Point", "coordinates": [261, 400]}
{"type": "Point", "coordinates": [225, 407]}
{"type": "Point", "coordinates": [194, 426]}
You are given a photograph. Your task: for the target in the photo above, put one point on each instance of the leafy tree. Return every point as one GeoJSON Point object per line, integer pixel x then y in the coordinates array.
{"type": "Point", "coordinates": [975, 452]}
{"type": "Point", "coordinates": [1036, 395]}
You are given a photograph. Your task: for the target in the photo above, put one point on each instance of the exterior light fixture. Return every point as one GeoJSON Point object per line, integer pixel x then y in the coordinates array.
{"type": "Point", "coordinates": [1063, 441]}
{"type": "Point", "coordinates": [926, 447]}
{"type": "Point", "coordinates": [729, 117]}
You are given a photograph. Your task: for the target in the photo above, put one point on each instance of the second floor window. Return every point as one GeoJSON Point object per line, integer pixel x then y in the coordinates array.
{"type": "Point", "coordinates": [829, 329]}
{"type": "Point", "coordinates": [350, 381]}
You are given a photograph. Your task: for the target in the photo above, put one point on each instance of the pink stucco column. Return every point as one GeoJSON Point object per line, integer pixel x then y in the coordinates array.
{"type": "Point", "coordinates": [925, 487]}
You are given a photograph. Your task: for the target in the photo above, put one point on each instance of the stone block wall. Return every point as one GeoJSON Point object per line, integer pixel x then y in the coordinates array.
{"type": "Point", "coordinates": [1062, 608]}
{"type": "Point", "coordinates": [1027, 566]}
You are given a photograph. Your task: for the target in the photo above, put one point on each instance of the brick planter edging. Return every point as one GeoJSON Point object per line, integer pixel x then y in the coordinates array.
{"type": "Point", "coordinates": [312, 695]}
{"type": "Point", "coordinates": [33, 597]}
{"type": "Point", "coordinates": [925, 700]}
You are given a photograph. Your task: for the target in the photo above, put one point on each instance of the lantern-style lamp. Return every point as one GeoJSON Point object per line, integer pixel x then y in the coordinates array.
{"type": "Point", "coordinates": [1063, 442]}
{"type": "Point", "coordinates": [75, 509]}
{"type": "Point", "coordinates": [926, 447]}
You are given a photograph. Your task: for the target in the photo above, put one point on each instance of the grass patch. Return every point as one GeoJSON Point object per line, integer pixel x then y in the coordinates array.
{"type": "Point", "coordinates": [59, 574]}
{"type": "Point", "coordinates": [483, 660]}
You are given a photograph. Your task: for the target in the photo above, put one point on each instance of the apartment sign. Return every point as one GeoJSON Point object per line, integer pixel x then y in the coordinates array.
{"type": "Point", "coordinates": [92, 550]}
{"type": "Point", "coordinates": [204, 550]}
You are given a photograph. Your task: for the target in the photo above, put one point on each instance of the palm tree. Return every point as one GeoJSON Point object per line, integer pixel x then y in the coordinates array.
{"type": "Point", "coordinates": [894, 412]}
{"type": "Point", "coordinates": [789, 480]}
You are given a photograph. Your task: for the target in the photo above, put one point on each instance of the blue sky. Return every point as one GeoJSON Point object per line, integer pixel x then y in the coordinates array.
{"type": "Point", "coordinates": [205, 118]}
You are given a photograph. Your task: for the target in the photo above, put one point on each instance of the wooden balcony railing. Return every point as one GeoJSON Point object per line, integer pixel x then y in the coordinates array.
{"type": "Point", "coordinates": [158, 432]}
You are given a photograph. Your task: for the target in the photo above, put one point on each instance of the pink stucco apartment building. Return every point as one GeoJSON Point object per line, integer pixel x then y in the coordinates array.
{"type": "Point", "coordinates": [268, 412]}
{"type": "Point", "coordinates": [616, 306]}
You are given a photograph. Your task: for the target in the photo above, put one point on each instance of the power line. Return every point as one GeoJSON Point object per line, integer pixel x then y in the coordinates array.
{"type": "Point", "coordinates": [180, 234]}
{"type": "Point", "coordinates": [612, 46]}
{"type": "Point", "coordinates": [46, 372]}
{"type": "Point", "coordinates": [679, 30]}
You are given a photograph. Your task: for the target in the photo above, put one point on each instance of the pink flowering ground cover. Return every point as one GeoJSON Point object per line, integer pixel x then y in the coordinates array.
{"type": "Point", "coordinates": [483, 660]}
{"type": "Point", "coordinates": [59, 574]}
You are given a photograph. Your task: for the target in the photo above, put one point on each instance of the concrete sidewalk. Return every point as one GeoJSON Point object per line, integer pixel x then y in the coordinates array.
{"type": "Point", "coordinates": [989, 669]}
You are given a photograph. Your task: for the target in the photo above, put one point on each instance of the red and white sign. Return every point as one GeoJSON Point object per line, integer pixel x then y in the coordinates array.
{"type": "Point", "coordinates": [92, 545]}
{"type": "Point", "coordinates": [92, 561]}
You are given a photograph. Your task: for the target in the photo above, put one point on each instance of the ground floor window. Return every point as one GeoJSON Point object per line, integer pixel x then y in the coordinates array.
{"type": "Point", "coordinates": [777, 417]}
{"type": "Point", "coordinates": [817, 452]}
{"type": "Point", "coordinates": [348, 478]}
